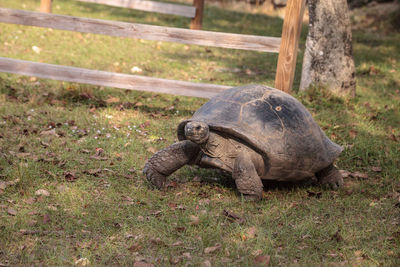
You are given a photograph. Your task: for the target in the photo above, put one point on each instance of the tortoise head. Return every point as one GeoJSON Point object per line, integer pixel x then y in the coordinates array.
{"type": "Point", "coordinates": [197, 132]}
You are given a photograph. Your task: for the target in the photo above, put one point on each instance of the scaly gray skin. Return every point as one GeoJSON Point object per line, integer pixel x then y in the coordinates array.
{"type": "Point", "coordinates": [212, 150]}
{"type": "Point", "coordinates": [166, 161]}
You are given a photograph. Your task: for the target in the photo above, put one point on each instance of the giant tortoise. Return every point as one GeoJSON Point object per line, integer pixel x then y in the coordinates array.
{"type": "Point", "coordinates": [254, 132]}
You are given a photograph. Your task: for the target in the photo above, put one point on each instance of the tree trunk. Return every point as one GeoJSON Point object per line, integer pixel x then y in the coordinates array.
{"type": "Point", "coordinates": [328, 59]}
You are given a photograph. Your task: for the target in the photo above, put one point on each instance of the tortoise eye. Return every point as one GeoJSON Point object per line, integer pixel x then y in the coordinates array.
{"type": "Point", "coordinates": [198, 128]}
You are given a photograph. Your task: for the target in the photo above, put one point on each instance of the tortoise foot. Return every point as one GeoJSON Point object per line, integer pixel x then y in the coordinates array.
{"type": "Point", "coordinates": [252, 198]}
{"type": "Point", "coordinates": [330, 176]}
{"type": "Point", "coordinates": [166, 161]}
{"type": "Point", "coordinates": [154, 177]}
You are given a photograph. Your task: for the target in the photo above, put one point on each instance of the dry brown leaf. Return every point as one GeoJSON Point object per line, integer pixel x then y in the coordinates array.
{"type": "Point", "coordinates": [204, 201]}
{"type": "Point", "coordinates": [46, 218]}
{"type": "Point", "coordinates": [209, 250]}
{"type": "Point", "coordinates": [251, 232]}
{"type": "Point", "coordinates": [11, 211]}
{"type": "Point", "coordinates": [344, 173]}
{"type": "Point", "coordinates": [353, 133]}
{"type": "Point", "coordinates": [233, 217]}
{"type": "Point", "coordinates": [194, 220]}
{"type": "Point", "coordinates": [156, 241]}
{"type": "Point", "coordinates": [23, 155]}
{"type": "Point", "coordinates": [82, 262]}
{"type": "Point", "coordinates": [177, 244]}
{"type": "Point", "coordinates": [142, 264]}
{"type": "Point", "coordinates": [262, 260]}
{"type": "Point", "coordinates": [359, 175]}
{"type": "Point", "coordinates": [112, 100]}
{"type": "Point", "coordinates": [94, 172]}
{"type": "Point", "coordinates": [51, 132]}
{"type": "Point", "coordinates": [152, 150]}
{"type": "Point", "coordinates": [70, 176]}
{"type": "Point", "coordinates": [135, 247]}
{"type": "Point", "coordinates": [376, 168]}
{"type": "Point", "coordinates": [174, 260]}
{"type": "Point", "coordinates": [42, 192]}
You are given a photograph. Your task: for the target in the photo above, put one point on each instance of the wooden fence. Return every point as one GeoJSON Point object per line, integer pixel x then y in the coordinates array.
{"type": "Point", "coordinates": [194, 12]}
{"type": "Point", "coordinates": [286, 46]}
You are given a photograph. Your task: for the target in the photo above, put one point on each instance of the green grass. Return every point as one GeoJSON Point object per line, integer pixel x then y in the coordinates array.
{"type": "Point", "coordinates": [113, 217]}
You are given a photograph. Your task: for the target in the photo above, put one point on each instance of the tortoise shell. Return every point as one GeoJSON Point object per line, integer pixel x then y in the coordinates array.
{"type": "Point", "coordinates": [273, 123]}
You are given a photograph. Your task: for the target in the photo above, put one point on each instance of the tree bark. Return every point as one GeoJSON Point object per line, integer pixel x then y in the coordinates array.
{"type": "Point", "coordinates": [328, 59]}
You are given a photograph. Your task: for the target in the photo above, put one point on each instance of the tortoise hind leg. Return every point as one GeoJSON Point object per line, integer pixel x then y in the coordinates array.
{"type": "Point", "coordinates": [166, 161]}
{"type": "Point", "coordinates": [330, 176]}
{"type": "Point", "coordinates": [246, 178]}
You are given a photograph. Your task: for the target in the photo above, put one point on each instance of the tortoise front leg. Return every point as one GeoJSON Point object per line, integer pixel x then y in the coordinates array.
{"type": "Point", "coordinates": [330, 176]}
{"type": "Point", "coordinates": [246, 178]}
{"type": "Point", "coordinates": [166, 161]}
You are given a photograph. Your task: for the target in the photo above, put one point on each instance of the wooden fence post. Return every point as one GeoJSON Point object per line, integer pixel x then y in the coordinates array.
{"type": "Point", "coordinates": [289, 45]}
{"type": "Point", "coordinates": [198, 19]}
{"type": "Point", "coordinates": [45, 6]}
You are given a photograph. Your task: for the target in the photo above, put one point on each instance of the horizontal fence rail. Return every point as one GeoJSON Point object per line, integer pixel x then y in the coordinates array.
{"type": "Point", "coordinates": [110, 79]}
{"type": "Point", "coordinates": [142, 31]}
{"type": "Point", "coordinates": [151, 6]}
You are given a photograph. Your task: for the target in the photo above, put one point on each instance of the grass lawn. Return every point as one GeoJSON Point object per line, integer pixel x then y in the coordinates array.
{"type": "Point", "coordinates": [71, 155]}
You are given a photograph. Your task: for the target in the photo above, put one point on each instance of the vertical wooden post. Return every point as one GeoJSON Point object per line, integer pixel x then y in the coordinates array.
{"type": "Point", "coordinates": [198, 19]}
{"type": "Point", "coordinates": [45, 6]}
{"type": "Point", "coordinates": [289, 45]}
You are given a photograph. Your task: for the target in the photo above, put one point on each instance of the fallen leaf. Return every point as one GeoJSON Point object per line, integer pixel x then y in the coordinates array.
{"type": "Point", "coordinates": [142, 264]}
{"type": "Point", "coordinates": [359, 175]}
{"type": "Point", "coordinates": [136, 69]}
{"type": "Point", "coordinates": [344, 173]}
{"type": "Point", "coordinates": [206, 263]}
{"type": "Point", "coordinates": [82, 262]}
{"type": "Point", "coordinates": [112, 99]}
{"type": "Point", "coordinates": [51, 132]}
{"type": "Point", "coordinates": [196, 179]}
{"type": "Point", "coordinates": [135, 247]}
{"type": "Point", "coordinates": [156, 241]}
{"type": "Point", "coordinates": [337, 236]}
{"type": "Point", "coordinates": [209, 250]}
{"type": "Point", "coordinates": [145, 124]}
{"type": "Point", "coordinates": [194, 220]}
{"type": "Point", "coordinates": [251, 232]}
{"type": "Point", "coordinates": [152, 150]}
{"type": "Point", "coordinates": [262, 260]}
{"type": "Point", "coordinates": [392, 137]}
{"type": "Point", "coordinates": [70, 176]}
{"type": "Point", "coordinates": [29, 201]}
{"type": "Point", "coordinates": [376, 169]}
{"type": "Point", "coordinates": [174, 260]}
{"type": "Point", "coordinates": [171, 184]}
{"type": "Point", "coordinates": [44, 144]}
{"type": "Point", "coordinates": [156, 213]}
{"type": "Point", "coordinates": [94, 172]}
{"type": "Point", "coordinates": [233, 217]}
{"type": "Point", "coordinates": [11, 211]}
{"type": "Point", "coordinates": [204, 201]}
{"type": "Point", "coordinates": [177, 244]}
{"type": "Point", "coordinates": [23, 155]}
{"type": "Point", "coordinates": [36, 49]}
{"type": "Point", "coordinates": [42, 192]}
{"type": "Point", "coordinates": [99, 154]}
{"type": "Point", "coordinates": [353, 133]}
{"type": "Point", "coordinates": [46, 218]}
